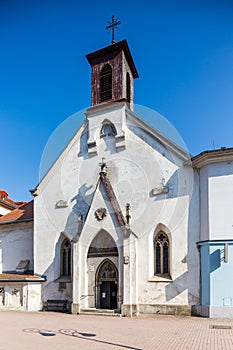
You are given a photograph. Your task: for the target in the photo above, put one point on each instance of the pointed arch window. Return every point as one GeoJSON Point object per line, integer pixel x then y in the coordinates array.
{"type": "Point", "coordinates": [128, 87]}
{"type": "Point", "coordinates": [66, 258]}
{"type": "Point", "coordinates": [108, 129]}
{"type": "Point", "coordinates": [161, 254]}
{"type": "Point", "coordinates": [106, 83]}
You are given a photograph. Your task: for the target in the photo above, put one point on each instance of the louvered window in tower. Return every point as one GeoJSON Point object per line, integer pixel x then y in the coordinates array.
{"type": "Point", "coordinates": [106, 83]}
{"type": "Point", "coordinates": [128, 88]}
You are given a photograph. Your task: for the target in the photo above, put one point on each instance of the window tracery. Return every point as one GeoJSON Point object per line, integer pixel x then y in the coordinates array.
{"type": "Point", "coordinates": [107, 271]}
{"type": "Point", "coordinates": [161, 253]}
{"type": "Point", "coordinates": [66, 258]}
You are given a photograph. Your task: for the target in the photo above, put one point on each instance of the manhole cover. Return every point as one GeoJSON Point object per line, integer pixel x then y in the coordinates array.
{"type": "Point", "coordinates": [220, 326]}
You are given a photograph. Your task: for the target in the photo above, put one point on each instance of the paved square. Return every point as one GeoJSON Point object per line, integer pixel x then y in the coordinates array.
{"type": "Point", "coordinates": [48, 330]}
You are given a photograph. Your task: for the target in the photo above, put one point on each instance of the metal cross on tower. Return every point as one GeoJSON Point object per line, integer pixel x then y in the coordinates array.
{"type": "Point", "coordinates": [112, 26]}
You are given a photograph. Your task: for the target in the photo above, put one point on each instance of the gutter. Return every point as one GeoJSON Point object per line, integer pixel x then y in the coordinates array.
{"type": "Point", "coordinates": [6, 204]}
{"type": "Point", "coordinates": [22, 280]}
{"type": "Point", "coordinates": [215, 242]}
{"type": "Point", "coordinates": [15, 221]}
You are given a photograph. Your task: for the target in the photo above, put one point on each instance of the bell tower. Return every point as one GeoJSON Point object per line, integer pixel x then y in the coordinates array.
{"type": "Point", "coordinates": [113, 74]}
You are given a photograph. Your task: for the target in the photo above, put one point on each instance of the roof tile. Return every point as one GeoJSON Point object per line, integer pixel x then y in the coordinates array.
{"type": "Point", "coordinates": [24, 212]}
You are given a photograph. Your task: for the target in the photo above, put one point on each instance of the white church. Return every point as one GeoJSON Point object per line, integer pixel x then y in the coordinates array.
{"type": "Point", "coordinates": [125, 221]}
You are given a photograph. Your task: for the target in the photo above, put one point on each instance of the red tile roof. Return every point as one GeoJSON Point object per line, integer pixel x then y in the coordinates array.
{"type": "Point", "coordinates": [23, 213]}
{"type": "Point", "coordinates": [7, 202]}
{"type": "Point", "coordinates": [18, 277]}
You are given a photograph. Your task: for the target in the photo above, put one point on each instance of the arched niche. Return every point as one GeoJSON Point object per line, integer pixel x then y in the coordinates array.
{"type": "Point", "coordinates": [102, 245]}
{"type": "Point", "coordinates": [108, 129]}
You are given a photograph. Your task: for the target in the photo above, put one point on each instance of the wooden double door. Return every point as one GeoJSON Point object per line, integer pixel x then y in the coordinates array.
{"type": "Point", "coordinates": [108, 295]}
{"type": "Point", "coordinates": [107, 285]}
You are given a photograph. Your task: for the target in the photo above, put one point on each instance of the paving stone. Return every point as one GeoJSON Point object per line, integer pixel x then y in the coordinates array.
{"type": "Point", "coordinates": [50, 330]}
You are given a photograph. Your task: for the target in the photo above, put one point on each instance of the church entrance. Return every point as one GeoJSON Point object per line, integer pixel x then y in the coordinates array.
{"type": "Point", "coordinates": [107, 283]}
{"type": "Point", "coordinates": [108, 295]}
{"type": "Point", "coordinates": [103, 277]}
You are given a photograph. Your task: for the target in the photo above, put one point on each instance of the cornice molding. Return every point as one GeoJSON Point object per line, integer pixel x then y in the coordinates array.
{"type": "Point", "coordinates": [213, 156]}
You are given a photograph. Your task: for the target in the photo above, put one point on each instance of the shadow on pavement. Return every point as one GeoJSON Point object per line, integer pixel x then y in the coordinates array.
{"type": "Point", "coordinates": [76, 334]}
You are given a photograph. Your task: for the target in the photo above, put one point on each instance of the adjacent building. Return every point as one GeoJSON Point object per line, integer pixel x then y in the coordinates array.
{"type": "Point", "coordinates": [215, 170]}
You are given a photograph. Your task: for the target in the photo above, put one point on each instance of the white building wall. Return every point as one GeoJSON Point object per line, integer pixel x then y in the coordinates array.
{"type": "Point", "coordinates": [34, 302]}
{"type": "Point", "coordinates": [204, 204]}
{"type": "Point", "coordinates": [220, 183]}
{"type": "Point", "coordinates": [22, 296]}
{"type": "Point", "coordinates": [216, 193]}
{"type": "Point", "coordinates": [16, 244]}
{"type": "Point", "coordinates": [141, 165]}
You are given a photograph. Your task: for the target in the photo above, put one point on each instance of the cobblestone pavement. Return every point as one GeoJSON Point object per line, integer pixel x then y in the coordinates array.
{"type": "Point", "coordinates": [48, 330]}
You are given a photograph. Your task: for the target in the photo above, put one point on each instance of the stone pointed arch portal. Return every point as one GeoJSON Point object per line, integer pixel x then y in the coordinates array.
{"type": "Point", "coordinates": [103, 276]}
{"type": "Point", "coordinates": [106, 285]}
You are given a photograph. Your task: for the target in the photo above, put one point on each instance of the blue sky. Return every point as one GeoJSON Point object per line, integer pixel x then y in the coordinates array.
{"type": "Point", "coordinates": [183, 51]}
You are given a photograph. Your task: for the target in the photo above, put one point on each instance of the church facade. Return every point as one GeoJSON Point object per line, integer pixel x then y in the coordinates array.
{"type": "Point", "coordinates": [125, 219]}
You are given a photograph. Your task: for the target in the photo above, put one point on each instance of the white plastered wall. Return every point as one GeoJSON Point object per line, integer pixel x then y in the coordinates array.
{"type": "Point", "coordinates": [139, 167]}
{"type": "Point", "coordinates": [16, 244]}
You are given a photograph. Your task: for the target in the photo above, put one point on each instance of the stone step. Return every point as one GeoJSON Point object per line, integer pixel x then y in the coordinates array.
{"type": "Point", "coordinates": [100, 312]}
